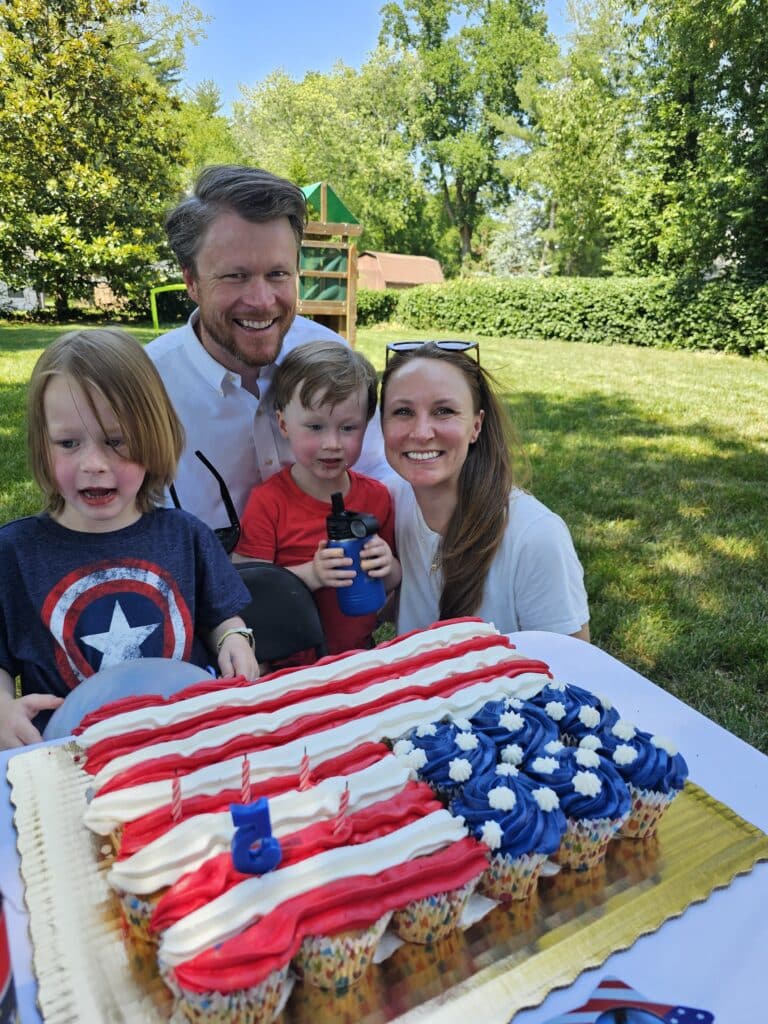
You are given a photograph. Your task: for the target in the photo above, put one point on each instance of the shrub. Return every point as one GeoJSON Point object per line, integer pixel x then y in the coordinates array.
{"type": "Point", "coordinates": [729, 314]}
{"type": "Point", "coordinates": [376, 307]}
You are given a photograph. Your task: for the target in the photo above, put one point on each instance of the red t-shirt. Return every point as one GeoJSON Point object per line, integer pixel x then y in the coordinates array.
{"type": "Point", "coordinates": [282, 524]}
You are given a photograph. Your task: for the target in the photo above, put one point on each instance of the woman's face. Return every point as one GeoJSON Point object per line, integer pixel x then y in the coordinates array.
{"type": "Point", "coordinates": [429, 422]}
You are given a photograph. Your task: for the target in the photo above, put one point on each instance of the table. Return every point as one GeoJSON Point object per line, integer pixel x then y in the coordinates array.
{"type": "Point", "coordinates": [712, 957]}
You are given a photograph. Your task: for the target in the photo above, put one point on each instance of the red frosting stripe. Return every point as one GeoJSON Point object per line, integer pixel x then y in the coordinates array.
{"type": "Point", "coordinates": [105, 750]}
{"type": "Point", "coordinates": [356, 902]}
{"type": "Point", "coordinates": [218, 874]}
{"type": "Point", "coordinates": [208, 685]}
{"type": "Point", "coordinates": [136, 834]}
{"type": "Point", "coordinates": [155, 769]}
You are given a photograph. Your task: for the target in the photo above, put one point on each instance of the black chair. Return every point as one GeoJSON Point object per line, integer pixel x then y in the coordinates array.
{"type": "Point", "coordinates": [282, 613]}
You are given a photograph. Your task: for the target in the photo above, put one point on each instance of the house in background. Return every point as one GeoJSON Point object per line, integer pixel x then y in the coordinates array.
{"type": "Point", "coordinates": [22, 299]}
{"type": "Point", "coordinates": [380, 270]}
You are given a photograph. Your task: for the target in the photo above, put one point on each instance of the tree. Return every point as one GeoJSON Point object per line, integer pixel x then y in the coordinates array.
{"type": "Point", "coordinates": [465, 80]}
{"type": "Point", "coordinates": [90, 148]}
{"type": "Point", "coordinates": [346, 127]}
{"type": "Point", "coordinates": [697, 189]}
{"type": "Point", "coordinates": [569, 147]}
{"type": "Point", "coordinates": [208, 134]}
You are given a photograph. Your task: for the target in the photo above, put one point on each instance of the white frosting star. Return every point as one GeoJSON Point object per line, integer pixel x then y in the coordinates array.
{"type": "Point", "coordinates": [624, 730]}
{"type": "Point", "coordinates": [624, 754]}
{"type": "Point", "coordinates": [546, 798]}
{"type": "Point", "coordinates": [554, 747]}
{"type": "Point", "coordinates": [587, 783]}
{"type": "Point", "coordinates": [491, 835]}
{"type": "Point", "coordinates": [555, 709]}
{"type": "Point", "coordinates": [501, 798]}
{"type": "Point", "coordinates": [586, 758]}
{"type": "Point", "coordinates": [402, 747]}
{"type": "Point", "coordinates": [505, 769]}
{"type": "Point", "coordinates": [514, 702]}
{"type": "Point", "coordinates": [467, 741]}
{"type": "Point", "coordinates": [511, 721]}
{"type": "Point", "coordinates": [590, 743]}
{"type": "Point", "coordinates": [459, 769]}
{"type": "Point", "coordinates": [427, 729]}
{"type": "Point", "coordinates": [545, 765]}
{"type": "Point", "coordinates": [512, 753]}
{"type": "Point", "coordinates": [589, 717]}
{"type": "Point", "coordinates": [662, 743]}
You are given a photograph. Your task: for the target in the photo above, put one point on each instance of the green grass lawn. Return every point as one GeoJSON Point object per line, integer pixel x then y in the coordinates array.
{"type": "Point", "coordinates": [658, 462]}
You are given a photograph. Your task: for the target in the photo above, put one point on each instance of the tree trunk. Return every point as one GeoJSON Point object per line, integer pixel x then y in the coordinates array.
{"type": "Point", "coordinates": [62, 305]}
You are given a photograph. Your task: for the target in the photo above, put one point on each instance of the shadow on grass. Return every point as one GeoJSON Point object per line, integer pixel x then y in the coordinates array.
{"type": "Point", "coordinates": [669, 522]}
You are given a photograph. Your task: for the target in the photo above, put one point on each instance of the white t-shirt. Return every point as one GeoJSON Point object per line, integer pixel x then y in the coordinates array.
{"type": "Point", "coordinates": [535, 581]}
{"type": "Point", "coordinates": [236, 431]}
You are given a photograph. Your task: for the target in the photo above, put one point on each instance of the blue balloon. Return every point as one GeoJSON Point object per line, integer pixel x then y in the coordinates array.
{"type": "Point", "coordinates": [160, 676]}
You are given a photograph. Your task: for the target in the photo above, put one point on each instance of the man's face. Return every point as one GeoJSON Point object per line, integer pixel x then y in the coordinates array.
{"type": "Point", "coordinates": [245, 287]}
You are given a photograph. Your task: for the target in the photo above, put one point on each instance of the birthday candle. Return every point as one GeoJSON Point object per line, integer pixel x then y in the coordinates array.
{"type": "Point", "coordinates": [343, 807]}
{"type": "Point", "coordinates": [245, 781]}
{"type": "Point", "coordinates": [176, 799]}
{"type": "Point", "coordinates": [304, 771]}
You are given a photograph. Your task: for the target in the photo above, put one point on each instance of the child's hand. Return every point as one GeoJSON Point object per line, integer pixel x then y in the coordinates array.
{"type": "Point", "coordinates": [331, 566]}
{"type": "Point", "coordinates": [16, 714]}
{"type": "Point", "coordinates": [376, 557]}
{"type": "Point", "coordinates": [237, 659]}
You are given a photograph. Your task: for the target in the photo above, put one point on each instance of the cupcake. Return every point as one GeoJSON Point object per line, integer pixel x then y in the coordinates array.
{"type": "Point", "coordinates": [576, 712]}
{"type": "Point", "coordinates": [446, 755]}
{"type": "Point", "coordinates": [259, 1004]}
{"type": "Point", "coordinates": [520, 822]}
{"type": "Point", "coordinates": [517, 727]}
{"type": "Point", "coordinates": [432, 918]}
{"type": "Point", "coordinates": [337, 962]}
{"type": "Point", "coordinates": [652, 768]}
{"type": "Point", "coordinates": [594, 798]}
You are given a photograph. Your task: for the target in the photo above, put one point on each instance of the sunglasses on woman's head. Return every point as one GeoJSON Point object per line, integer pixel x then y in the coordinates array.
{"type": "Point", "coordinates": [447, 346]}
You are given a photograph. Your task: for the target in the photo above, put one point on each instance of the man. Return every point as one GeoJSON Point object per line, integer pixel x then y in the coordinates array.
{"type": "Point", "coordinates": [237, 240]}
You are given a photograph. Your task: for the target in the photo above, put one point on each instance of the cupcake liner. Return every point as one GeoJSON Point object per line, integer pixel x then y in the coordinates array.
{"type": "Point", "coordinates": [337, 962]}
{"type": "Point", "coordinates": [585, 842]}
{"type": "Point", "coordinates": [511, 878]}
{"type": "Point", "coordinates": [136, 913]}
{"type": "Point", "coordinates": [430, 919]}
{"type": "Point", "coordinates": [648, 806]}
{"type": "Point", "coordinates": [257, 1005]}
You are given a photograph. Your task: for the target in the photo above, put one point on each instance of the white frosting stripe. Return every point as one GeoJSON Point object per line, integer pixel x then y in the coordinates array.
{"type": "Point", "coordinates": [159, 715]}
{"type": "Point", "coordinates": [260, 725]}
{"type": "Point", "coordinates": [106, 812]}
{"type": "Point", "coordinates": [191, 842]}
{"type": "Point", "coordinates": [233, 911]}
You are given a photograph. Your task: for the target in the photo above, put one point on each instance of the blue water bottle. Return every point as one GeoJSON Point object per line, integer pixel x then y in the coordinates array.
{"type": "Point", "coordinates": [350, 530]}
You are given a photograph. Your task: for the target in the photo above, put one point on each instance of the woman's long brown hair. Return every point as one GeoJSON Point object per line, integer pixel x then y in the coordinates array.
{"type": "Point", "coordinates": [476, 528]}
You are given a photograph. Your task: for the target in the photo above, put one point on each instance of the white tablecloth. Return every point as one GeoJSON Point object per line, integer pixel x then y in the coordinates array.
{"type": "Point", "coordinates": [713, 957]}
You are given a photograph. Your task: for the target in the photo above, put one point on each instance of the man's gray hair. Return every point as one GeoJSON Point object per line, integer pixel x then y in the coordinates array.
{"type": "Point", "coordinates": [254, 194]}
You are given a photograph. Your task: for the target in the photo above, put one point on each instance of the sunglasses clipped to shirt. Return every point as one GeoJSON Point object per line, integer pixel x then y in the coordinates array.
{"type": "Point", "coordinates": [228, 535]}
{"type": "Point", "coordinates": [466, 347]}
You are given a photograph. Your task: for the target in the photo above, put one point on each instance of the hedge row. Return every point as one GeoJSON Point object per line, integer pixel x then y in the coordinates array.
{"type": "Point", "coordinates": [728, 314]}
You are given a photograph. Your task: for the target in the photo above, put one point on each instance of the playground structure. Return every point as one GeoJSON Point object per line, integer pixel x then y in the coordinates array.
{"type": "Point", "coordinates": [328, 263]}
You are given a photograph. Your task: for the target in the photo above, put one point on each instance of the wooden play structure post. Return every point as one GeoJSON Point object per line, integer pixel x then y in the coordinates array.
{"type": "Point", "coordinates": [328, 263]}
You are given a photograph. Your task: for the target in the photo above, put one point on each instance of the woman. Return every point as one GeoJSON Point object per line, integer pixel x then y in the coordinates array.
{"type": "Point", "coordinates": [470, 541]}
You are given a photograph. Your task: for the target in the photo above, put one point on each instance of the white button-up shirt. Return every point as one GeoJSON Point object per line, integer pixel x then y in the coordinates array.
{"type": "Point", "coordinates": [234, 429]}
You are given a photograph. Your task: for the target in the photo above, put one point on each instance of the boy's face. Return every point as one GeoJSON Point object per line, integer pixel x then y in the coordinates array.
{"type": "Point", "coordinates": [90, 464]}
{"type": "Point", "coordinates": [325, 440]}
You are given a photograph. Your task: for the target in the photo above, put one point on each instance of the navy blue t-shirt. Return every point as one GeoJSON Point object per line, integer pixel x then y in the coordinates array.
{"type": "Point", "coordinates": [73, 603]}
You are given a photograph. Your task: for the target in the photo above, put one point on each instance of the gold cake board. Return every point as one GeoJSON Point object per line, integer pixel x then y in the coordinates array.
{"type": "Point", "coordinates": [508, 961]}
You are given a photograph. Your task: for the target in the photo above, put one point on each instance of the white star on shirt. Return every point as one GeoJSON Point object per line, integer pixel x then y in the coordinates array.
{"type": "Point", "coordinates": [122, 642]}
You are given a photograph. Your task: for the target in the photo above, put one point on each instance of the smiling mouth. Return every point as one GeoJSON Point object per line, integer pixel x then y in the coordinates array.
{"type": "Point", "coordinates": [255, 325]}
{"type": "Point", "coordinates": [421, 456]}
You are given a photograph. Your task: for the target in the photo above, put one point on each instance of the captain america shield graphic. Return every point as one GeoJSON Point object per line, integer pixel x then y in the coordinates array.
{"type": "Point", "coordinates": [103, 614]}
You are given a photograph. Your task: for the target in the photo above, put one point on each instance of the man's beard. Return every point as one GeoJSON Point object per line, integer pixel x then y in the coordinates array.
{"type": "Point", "coordinates": [227, 343]}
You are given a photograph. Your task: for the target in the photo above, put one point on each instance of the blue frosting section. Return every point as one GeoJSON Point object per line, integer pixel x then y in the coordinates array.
{"type": "Point", "coordinates": [577, 702]}
{"type": "Point", "coordinates": [441, 749]}
{"type": "Point", "coordinates": [525, 828]}
{"type": "Point", "coordinates": [612, 799]}
{"type": "Point", "coordinates": [653, 768]}
{"type": "Point", "coordinates": [498, 719]}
